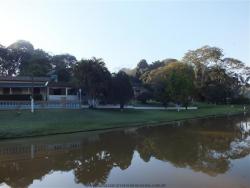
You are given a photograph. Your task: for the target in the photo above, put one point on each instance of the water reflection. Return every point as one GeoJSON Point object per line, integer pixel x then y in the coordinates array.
{"type": "Point", "coordinates": [205, 145]}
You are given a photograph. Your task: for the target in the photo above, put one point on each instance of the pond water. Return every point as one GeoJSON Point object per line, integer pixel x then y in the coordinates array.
{"type": "Point", "coordinates": [212, 152]}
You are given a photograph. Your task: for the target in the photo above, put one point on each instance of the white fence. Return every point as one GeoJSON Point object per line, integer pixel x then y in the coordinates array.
{"type": "Point", "coordinates": [62, 97]}
{"type": "Point", "coordinates": [20, 105]}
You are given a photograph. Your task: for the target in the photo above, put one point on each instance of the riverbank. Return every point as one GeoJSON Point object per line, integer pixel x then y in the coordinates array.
{"type": "Point", "coordinates": [15, 124]}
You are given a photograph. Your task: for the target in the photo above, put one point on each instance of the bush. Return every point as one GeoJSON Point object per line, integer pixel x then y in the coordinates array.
{"type": "Point", "coordinates": [144, 97]}
{"type": "Point", "coordinates": [240, 100]}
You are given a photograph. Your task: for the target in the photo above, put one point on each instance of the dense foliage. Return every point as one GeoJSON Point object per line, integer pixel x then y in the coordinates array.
{"type": "Point", "coordinates": [94, 77]}
{"type": "Point", "coordinates": [173, 82]}
{"type": "Point", "coordinates": [203, 74]}
{"type": "Point", "coordinates": [122, 90]}
{"type": "Point", "coordinates": [20, 58]}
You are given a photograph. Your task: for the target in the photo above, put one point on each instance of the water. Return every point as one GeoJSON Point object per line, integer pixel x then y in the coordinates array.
{"type": "Point", "coordinates": [211, 152]}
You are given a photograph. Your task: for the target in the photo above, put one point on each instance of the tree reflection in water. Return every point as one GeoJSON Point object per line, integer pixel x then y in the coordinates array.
{"type": "Point", "coordinates": [205, 145]}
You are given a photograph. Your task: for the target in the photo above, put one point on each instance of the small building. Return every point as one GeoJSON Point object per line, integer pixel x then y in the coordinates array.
{"type": "Point", "coordinates": [42, 88]}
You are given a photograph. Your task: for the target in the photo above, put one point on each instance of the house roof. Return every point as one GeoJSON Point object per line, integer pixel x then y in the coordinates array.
{"type": "Point", "coordinates": [24, 78]}
{"type": "Point", "coordinates": [28, 82]}
{"type": "Point", "coordinates": [23, 82]}
{"type": "Point", "coordinates": [61, 84]}
{"type": "Point", "coordinates": [21, 85]}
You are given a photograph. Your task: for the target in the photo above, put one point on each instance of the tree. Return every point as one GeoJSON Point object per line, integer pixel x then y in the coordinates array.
{"type": "Point", "coordinates": [141, 67]}
{"type": "Point", "coordinates": [93, 76]}
{"type": "Point", "coordinates": [4, 67]}
{"type": "Point", "coordinates": [155, 65]}
{"type": "Point", "coordinates": [201, 59]}
{"type": "Point", "coordinates": [63, 66]}
{"type": "Point", "coordinates": [173, 82]}
{"type": "Point", "coordinates": [144, 96]}
{"type": "Point", "coordinates": [20, 58]}
{"type": "Point", "coordinates": [38, 64]}
{"type": "Point", "coordinates": [22, 45]}
{"type": "Point", "coordinates": [237, 69]}
{"type": "Point", "coordinates": [122, 88]}
{"type": "Point", "coordinates": [129, 72]}
{"type": "Point", "coordinates": [209, 65]}
{"type": "Point", "coordinates": [63, 61]}
{"type": "Point", "coordinates": [219, 87]}
{"type": "Point", "coordinates": [10, 60]}
{"type": "Point", "coordinates": [205, 55]}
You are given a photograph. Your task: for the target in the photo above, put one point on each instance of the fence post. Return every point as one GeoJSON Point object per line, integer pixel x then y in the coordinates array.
{"type": "Point", "coordinates": [32, 105]}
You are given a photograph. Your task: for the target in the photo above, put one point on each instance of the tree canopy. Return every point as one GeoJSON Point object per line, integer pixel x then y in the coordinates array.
{"type": "Point", "coordinates": [173, 83]}
{"type": "Point", "coordinates": [203, 74]}
{"type": "Point", "coordinates": [122, 91]}
{"type": "Point", "coordinates": [63, 66]}
{"type": "Point", "coordinates": [94, 77]}
{"type": "Point", "coordinates": [22, 45]}
{"type": "Point", "coordinates": [38, 64]}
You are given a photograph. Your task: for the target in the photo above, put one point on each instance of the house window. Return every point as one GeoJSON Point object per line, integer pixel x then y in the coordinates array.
{"type": "Point", "coordinates": [6, 91]}
{"type": "Point", "coordinates": [36, 90]}
{"type": "Point", "coordinates": [57, 91]}
{"type": "Point", "coordinates": [72, 91]}
{"type": "Point", "coordinates": [16, 91]}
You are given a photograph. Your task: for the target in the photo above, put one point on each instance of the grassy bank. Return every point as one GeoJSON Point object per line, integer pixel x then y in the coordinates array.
{"type": "Point", "coordinates": [44, 122]}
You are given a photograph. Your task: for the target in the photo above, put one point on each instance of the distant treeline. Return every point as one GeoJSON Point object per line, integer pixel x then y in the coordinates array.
{"type": "Point", "coordinates": [203, 74]}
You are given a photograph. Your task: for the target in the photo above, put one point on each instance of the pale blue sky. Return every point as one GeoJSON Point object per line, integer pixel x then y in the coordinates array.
{"type": "Point", "coordinates": [123, 32]}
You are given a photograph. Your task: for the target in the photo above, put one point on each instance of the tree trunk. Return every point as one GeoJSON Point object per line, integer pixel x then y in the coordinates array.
{"type": "Point", "coordinates": [92, 102]}
{"type": "Point", "coordinates": [121, 106]}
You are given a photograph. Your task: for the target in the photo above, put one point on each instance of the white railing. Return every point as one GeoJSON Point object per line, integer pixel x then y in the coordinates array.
{"type": "Point", "coordinates": [19, 105]}
{"type": "Point", "coordinates": [62, 97]}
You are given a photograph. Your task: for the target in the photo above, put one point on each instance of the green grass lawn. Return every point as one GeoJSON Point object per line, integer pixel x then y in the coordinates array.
{"type": "Point", "coordinates": [44, 122]}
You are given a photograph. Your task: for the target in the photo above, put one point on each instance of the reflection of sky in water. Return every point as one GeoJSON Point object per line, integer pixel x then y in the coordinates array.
{"type": "Point", "coordinates": [57, 179]}
{"type": "Point", "coordinates": [210, 153]}
{"type": "Point", "coordinates": [244, 125]}
{"type": "Point", "coordinates": [158, 172]}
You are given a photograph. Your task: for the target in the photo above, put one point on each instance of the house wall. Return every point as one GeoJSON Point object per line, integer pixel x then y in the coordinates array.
{"type": "Point", "coordinates": [24, 91]}
{"type": "Point", "coordinates": [63, 94]}
{"type": "Point", "coordinates": [66, 94]}
{"type": "Point", "coordinates": [62, 97]}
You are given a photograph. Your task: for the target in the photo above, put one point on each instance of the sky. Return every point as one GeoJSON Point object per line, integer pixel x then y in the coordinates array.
{"type": "Point", "coordinates": [123, 32]}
